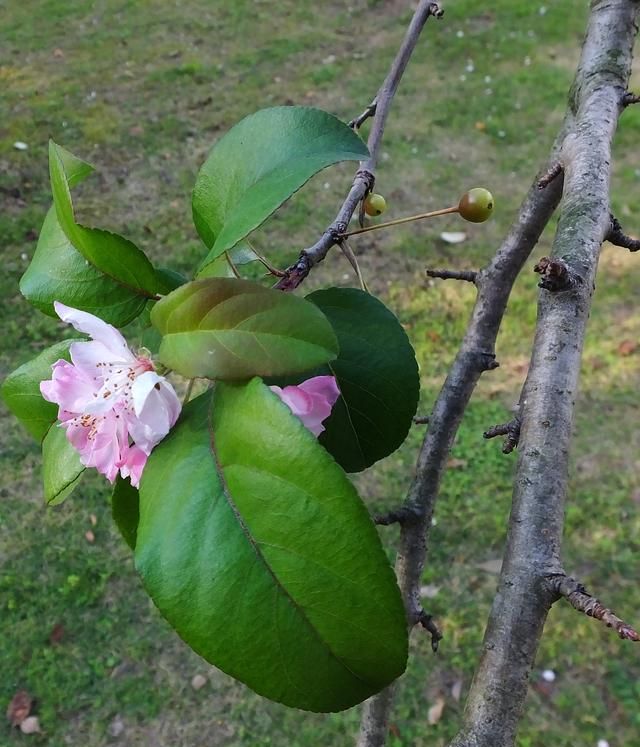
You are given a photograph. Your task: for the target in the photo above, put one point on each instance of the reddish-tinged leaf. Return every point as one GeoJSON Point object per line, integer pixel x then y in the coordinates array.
{"type": "Point", "coordinates": [19, 707]}
{"type": "Point", "coordinates": [627, 347]}
{"type": "Point", "coordinates": [434, 714]}
{"type": "Point", "coordinates": [56, 635]}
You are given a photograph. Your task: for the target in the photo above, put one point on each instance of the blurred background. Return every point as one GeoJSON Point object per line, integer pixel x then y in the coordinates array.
{"type": "Point", "coordinates": [142, 90]}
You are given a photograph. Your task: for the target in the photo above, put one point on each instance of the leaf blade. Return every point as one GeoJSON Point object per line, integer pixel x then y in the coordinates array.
{"type": "Point", "coordinates": [225, 328]}
{"type": "Point", "coordinates": [301, 600]}
{"type": "Point", "coordinates": [259, 164]}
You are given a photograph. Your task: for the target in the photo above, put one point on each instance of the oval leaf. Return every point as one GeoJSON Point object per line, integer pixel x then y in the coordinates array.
{"type": "Point", "coordinates": [59, 273]}
{"type": "Point", "coordinates": [61, 466]}
{"type": "Point", "coordinates": [254, 545]}
{"type": "Point", "coordinates": [377, 375]}
{"type": "Point", "coordinates": [224, 328]}
{"type": "Point", "coordinates": [259, 164]}
{"type": "Point", "coordinates": [72, 260]}
{"type": "Point", "coordinates": [21, 390]}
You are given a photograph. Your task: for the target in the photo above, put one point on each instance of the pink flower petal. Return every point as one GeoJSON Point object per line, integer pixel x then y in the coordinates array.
{"type": "Point", "coordinates": [93, 326]}
{"type": "Point", "coordinates": [311, 401]}
{"type": "Point", "coordinates": [108, 396]}
{"type": "Point", "coordinates": [134, 462]}
{"type": "Point", "coordinates": [69, 387]}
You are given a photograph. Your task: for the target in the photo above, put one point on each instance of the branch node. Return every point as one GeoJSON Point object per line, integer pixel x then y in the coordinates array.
{"type": "Point", "coordinates": [421, 420]}
{"type": "Point", "coordinates": [469, 275]}
{"type": "Point", "coordinates": [429, 624]}
{"type": "Point", "coordinates": [555, 275]}
{"type": "Point", "coordinates": [630, 98]}
{"type": "Point", "coordinates": [405, 516]}
{"type": "Point", "coordinates": [511, 430]}
{"type": "Point", "coordinates": [552, 172]}
{"type": "Point", "coordinates": [580, 599]}
{"type": "Point", "coordinates": [618, 237]}
{"type": "Point", "coordinates": [357, 122]}
{"type": "Point", "coordinates": [488, 361]}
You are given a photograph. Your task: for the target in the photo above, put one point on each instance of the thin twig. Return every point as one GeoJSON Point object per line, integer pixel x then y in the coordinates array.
{"type": "Point", "coordinates": [546, 179]}
{"type": "Point", "coordinates": [421, 419]}
{"type": "Point", "coordinates": [512, 432]}
{"type": "Point", "coordinates": [365, 176]}
{"type": "Point", "coordinates": [581, 600]}
{"type": "Point", "coordinates": [618, 237]}
{"type": "Point", "coordinates": [630, 98]}
{"type": "Point", "coordinates": [403, 515]}
{"type": "Point", "coordinates": [429, 624]}
{"type": "Point", "coordinates": [370, 111]}
{"type": "Point", "coordinates": [469, 275]}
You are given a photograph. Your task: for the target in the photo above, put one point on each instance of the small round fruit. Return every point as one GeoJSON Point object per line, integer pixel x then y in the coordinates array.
{"type": "Point", "coordinates": [476, 205]}
{"type": "Point", "coordinates": [374, 204]}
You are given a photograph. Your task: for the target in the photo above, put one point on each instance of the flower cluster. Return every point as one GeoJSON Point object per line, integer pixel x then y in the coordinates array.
{"type": "Point", "coordinates": [113, 405]}
{"type": "Point", "coordinates": [115, 408]}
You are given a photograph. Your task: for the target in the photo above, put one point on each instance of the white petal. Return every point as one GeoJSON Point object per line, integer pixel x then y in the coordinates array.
{"type": "Point", "coordinates": [156, 408]}
{"type": "Point", "coordinates": [95, 327]}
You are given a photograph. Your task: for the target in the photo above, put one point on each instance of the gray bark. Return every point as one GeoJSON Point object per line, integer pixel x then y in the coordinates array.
{"type": "Point", "coordinates": [527, 586]}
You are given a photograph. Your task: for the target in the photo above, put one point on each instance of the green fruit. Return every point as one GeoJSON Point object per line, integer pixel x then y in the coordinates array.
{"type": "Point", "coordinates": [476, 205]}
{"type": "Point", "coordinates": [374, 204]}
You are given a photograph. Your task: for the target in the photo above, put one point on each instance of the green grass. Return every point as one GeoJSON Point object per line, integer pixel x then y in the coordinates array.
{"type": "Point", "coordinates": [142, 90]}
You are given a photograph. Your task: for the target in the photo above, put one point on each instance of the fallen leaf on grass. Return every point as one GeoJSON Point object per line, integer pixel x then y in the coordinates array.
{"type": "Point", "coordinates": [198, 682]}
{"type": "Point", "coordinates": [57, 634]}
{"type": "Point", "coordinates": [434, 714]}
{"type": "Point", "coordinates": [89, 536]}
{"type": "Point", "coordinates": [116, 727]}
{"type": "Point", "coordinates": [19, 707]}
{"type": "Point", "coordinates": [453, 237]}
{"type": "Point", "coordinates": [456, 690]}
{"type": "Point", "coordinates": [93, 519]}
{"type": "Point", "coordinates": [490, 566]}
{"type": "Point", "coordinates": [30, 725]}
{"type": "Point", "coordinates": [456, 463]}
{"type": "Point", "coordinates": [429, 591]}
{"type": "Point", "coordinates": [627, 347]}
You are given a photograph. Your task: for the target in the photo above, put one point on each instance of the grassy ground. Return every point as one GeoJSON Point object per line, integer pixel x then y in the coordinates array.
{"type": "Point", "coordinates": [142, 89]}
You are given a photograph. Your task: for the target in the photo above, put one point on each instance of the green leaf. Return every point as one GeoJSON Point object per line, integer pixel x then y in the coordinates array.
{"type": "Point", "coordinates": [61, 466]}
{"type": "Point", "coordinates": [125, 509]}
{"type": "Point", "coordinates": [259, 164]}
{"type": "Point", "coordinates": [255, 546]}
{"type": "Point", "coordinates": [377, 375]}
{"type": "Point", "coordinates": [21, 390]}
{"type": "Point", "coordinates": [86, 268]}
{"type": "Point", "coordinates": [224, 328]}
{"type": "Point", "coordinates": [59, 273]}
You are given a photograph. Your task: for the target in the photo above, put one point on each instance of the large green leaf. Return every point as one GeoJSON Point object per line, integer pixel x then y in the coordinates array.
{"type": "Point", "coordinates": [259, 164]}
{"type": "Point", "coordinates": [21, 390]}
{"type": "Point", "coordinates": [125, 509]}
{"type": "Point", "coordinates": [255, 546]}
{"type": "Point", "coordinates": [59, 273]}
{"type": "Point", "coordinates": [115, 256]}
{"type": "Point", "coordinates": [225, 328]}
{"type": "Point", "coordinates": [86, 268]}
{"type": "Point", "coordinates": [61, 466]}
{"type": "Point", "coordinates": [377, 375]}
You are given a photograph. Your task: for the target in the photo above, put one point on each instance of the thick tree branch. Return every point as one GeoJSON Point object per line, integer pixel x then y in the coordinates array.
{"type": "Point", "coordinates": [578, 597]}
{"type": "Point", "coordinates": [365, 176]}
{"type": "Point", "coordinates": [476, 355]}
{"type": "Point", "coordinates": [532, 555]}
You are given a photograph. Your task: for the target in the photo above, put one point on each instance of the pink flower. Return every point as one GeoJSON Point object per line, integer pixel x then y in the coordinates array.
{"type": "Point", "coordinates": [114, 406]}
{"type": "Point", "coordinates": [311, 401]}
